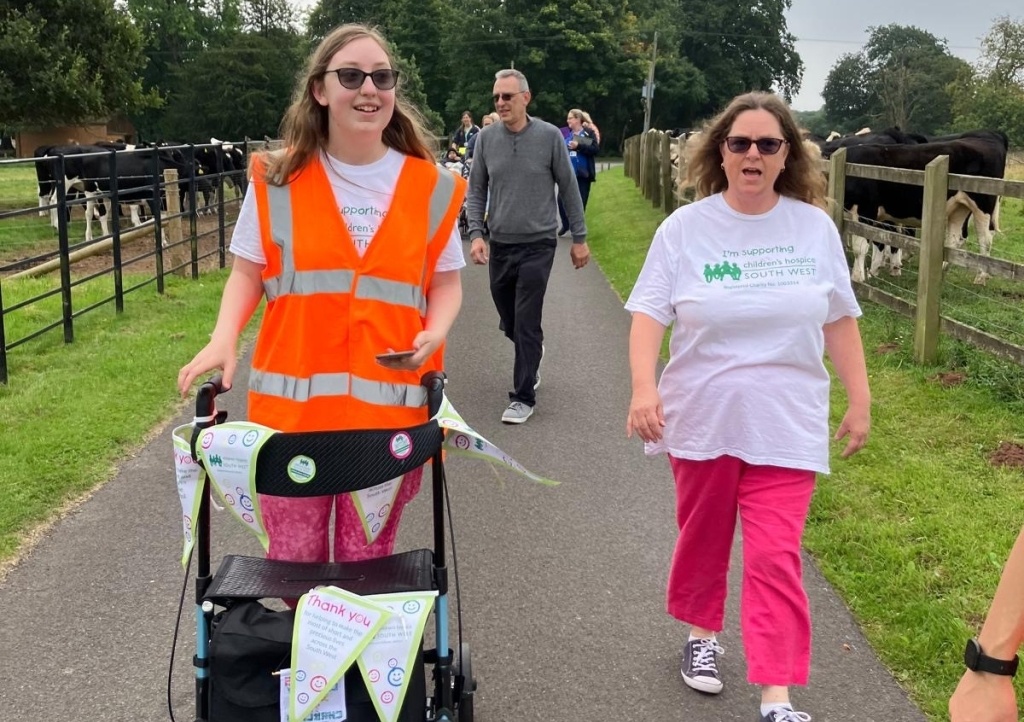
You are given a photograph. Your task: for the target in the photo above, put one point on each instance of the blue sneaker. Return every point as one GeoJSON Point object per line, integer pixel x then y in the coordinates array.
{"type": "Point", "coordinates": [785, 714]}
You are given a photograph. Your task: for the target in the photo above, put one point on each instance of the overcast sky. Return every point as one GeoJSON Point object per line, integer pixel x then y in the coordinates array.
{"type": "Point", "coordinates": [825, 29]}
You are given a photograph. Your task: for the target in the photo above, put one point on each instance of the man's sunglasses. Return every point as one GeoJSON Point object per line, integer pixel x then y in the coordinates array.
{"type": "Point", "coordinates": [505, 97]}
{"type": "Point", "coordinates": [765, 146]}
{"type": "Point", "coordinates": [353, 78]}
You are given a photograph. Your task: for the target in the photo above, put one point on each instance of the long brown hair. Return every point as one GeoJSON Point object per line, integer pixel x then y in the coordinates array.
{"type": "Point", "coordinates": [304, 127]}
{"type": "Point", "coordinates": [802, 180]}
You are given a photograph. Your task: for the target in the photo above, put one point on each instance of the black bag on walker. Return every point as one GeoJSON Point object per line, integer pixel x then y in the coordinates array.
{"type": "Point", "coordinates": [250, 642]}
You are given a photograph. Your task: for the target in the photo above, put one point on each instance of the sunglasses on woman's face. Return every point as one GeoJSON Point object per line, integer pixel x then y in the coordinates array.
{"type": "Point", "coordinates": [505, 97]}
{"type": "Point", "coordinates": [765, 146]}
{"type": "Point", "coordinates": [353, 78]}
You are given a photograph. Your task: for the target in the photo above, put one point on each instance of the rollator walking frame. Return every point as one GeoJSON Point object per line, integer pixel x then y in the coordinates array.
{"type": "Point", "coordinates": [346, 461]}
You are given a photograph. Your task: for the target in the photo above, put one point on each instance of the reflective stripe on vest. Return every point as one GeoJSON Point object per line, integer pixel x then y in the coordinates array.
{"type": "Point", "coordinates": [307, 283]}
{"type": "Point", "coordinates": [341, 384]}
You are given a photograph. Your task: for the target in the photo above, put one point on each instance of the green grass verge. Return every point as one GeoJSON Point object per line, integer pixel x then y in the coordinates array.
{"type": "Point", "coordinates": [912, 531]}
{"type": "Point", "coordinates": [71, 412]}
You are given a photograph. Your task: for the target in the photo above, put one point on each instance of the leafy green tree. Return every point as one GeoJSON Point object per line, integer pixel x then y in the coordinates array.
{"type": "Point", "coordinates": [417, 30]}
{"type": "Point", "coordinates": [586, 55]}
{"type": "Point", "coordinates": [68, 61]}
{"type": "Point", "coordinates": [910, 69]}
{"type": "Point", "coordinates": [246, 87]}
{"type": "Point", "coordinates": [814, 120]}
{"type": "Point", "coordinates": [172, 32]}
{"type": "Point", "coordinates": [992, 95]}
{"type": "Point", "coordinates": [1002, 52]}
{"type": "Point", "coordinates": [848, 98]}
{"type": "Point", "coordinates": [900, 78]}
{"type": "Point", "coordinates": [739, 45]}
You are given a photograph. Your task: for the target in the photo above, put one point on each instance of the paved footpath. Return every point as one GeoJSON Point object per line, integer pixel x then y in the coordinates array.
{"type": "Point", "coordinates": [562, 587]}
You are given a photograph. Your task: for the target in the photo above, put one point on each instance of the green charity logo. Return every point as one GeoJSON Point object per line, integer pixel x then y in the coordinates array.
{"type": "Point", "coordinates": [215, 460]}
{"type": "Point", "coordinates": [719, 271]}
{"type": "Point", "coordinates": [301, 469]}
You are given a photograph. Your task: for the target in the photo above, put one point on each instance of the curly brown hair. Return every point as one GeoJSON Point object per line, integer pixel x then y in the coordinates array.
{"type": "Point", "coordinates": [304, 127]}
{"type": "Point", "coordinates": [803, 180]}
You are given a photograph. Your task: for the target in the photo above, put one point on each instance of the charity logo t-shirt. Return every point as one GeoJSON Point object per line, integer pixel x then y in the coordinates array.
{"type": "Point", "coordinates": [748, 296]}
{"type": "Point", "coordinates": [363, 193]}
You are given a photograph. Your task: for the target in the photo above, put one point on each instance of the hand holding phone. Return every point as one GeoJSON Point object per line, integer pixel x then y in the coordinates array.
{"type": "Point", "coordinates": [395, 356]}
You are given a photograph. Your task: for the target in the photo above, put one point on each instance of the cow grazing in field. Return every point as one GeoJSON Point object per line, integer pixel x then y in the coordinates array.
{"type": "Point", "coordinates": [134, 173]}
{"type": "Point", "coordinates": [982, 153]}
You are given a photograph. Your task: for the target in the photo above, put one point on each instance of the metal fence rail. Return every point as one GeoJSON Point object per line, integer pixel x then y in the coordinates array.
{"type": "Point", "coordinates": [173, 239]}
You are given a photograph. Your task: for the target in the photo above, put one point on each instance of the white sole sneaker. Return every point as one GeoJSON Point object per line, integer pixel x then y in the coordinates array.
{"type": "Point", "coordinates": [517, 416]}
{"type": "Point", "coordinates": [707, 685]}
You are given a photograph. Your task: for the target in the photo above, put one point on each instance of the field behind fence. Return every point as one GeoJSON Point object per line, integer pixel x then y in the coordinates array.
{"type": "Point", "coordinates": [50, 275]}
{"type": "Point", "coordinates": [989, 316]}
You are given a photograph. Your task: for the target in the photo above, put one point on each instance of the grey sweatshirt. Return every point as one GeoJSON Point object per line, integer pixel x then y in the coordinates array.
{"type": "Point", "coordinates": [519, 171]}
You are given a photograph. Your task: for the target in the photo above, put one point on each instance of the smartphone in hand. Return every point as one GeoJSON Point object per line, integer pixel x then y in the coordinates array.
{"type": "Point", "coordinates": [395, 355]}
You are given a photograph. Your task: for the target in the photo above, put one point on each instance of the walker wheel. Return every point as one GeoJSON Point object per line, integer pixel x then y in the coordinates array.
{"type": "Point", "coordinates": [465, 684]}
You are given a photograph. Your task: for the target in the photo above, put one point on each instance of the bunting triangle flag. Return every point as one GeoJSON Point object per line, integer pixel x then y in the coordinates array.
{"type": "Point", "coordinates": [374, 505]}
{"type": "Point", "coordinates": [333, 708]}
{"type": "Point", "coordinates": [332, 627]}
{"type": "Point", "coordinates": [229, 454]}
{"type": "Point", "coordinates": [387, 662]}
{"type": "Point", "coordinates": [190, 479]}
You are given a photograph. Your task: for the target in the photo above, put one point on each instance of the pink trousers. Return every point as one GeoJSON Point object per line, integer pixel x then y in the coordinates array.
{"type": "Point", "coordinates": [774, 613]}
{"type": "Point", "coordinates": [299, 529]}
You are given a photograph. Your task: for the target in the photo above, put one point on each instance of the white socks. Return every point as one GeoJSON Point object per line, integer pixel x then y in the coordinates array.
{"type": "Point", "coordinates": [767, 707]}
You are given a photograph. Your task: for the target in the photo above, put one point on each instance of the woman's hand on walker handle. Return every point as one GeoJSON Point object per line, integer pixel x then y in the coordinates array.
{"type": "Point", "coordinates": [855, 425]}
{"type": "Point", "coordinates": [646, 415]}
{"type": "Point", "coordinates": [215, 355]}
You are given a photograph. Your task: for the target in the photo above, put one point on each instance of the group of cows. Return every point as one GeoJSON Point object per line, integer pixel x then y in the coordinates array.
{"type": "Point", "coordinates": [93, 171]}
{"type": "Point", "coordinates": [899, 206]}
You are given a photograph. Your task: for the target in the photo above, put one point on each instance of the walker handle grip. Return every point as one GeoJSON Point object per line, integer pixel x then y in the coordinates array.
{"type": "Point", "coordinates": [206, 406]}
{"type": "Point", "coordinates": [434, 382]}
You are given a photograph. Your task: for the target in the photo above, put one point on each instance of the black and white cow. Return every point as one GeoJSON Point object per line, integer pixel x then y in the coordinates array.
{"type": "Point", "coordinates": [134, 173]}
{"type": "Point", "coordinates": [980, 153]}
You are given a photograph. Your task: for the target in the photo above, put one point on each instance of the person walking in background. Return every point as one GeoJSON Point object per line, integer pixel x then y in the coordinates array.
{"type": "Point", "coordinates": [519, 161]}
{"type": "Point", "coordinates": [487, 120]}
{"type": "Point", "coordinates": [742, 406]}
{"type": "Point", "coordinates": [589, 124]}
{"type": "Point", "coordinates": [583, 146]}
{"type": "Point", "coordinates": [465, 132]}
{"type": "Point", "coordinates": [354, 222]}
{"type": "Point", "coordinates": [985, 692]}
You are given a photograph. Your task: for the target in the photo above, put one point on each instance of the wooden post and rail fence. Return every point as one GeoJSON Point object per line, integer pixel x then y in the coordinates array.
{"type": "Point", "coordinates": [655, 163]}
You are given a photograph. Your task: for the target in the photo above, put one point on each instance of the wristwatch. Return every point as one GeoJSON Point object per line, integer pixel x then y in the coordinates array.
{"type": "Point", "coordinates": [977, 661]}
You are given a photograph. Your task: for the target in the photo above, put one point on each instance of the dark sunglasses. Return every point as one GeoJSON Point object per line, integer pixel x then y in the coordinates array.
{"type": "Point", "coordinates": [765, 146]}
{"type": "Point", "coordinates": [353, 78]}
{"type": "Point", "coordinates": [505, 97]}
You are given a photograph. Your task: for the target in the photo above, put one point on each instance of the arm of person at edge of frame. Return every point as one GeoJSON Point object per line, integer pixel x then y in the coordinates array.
{"type": "Point", "coordinates": [983, 697]}
{"type": "Point", "coordinates": [646, 414]}
{"type": "Point", "coordinates": [444, 299]}
{"type": "Point", "coordinates": [569, 193]}
{"type": "Point", "coordinates": [476, 204]}
{"type": "Point", "coordinates": [845, 348]}
{"type": "Point", "coordinates": [242, 293]}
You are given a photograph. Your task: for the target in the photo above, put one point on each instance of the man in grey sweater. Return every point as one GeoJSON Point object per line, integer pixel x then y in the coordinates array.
{"type": "Point", "coordinates": [517, 163]}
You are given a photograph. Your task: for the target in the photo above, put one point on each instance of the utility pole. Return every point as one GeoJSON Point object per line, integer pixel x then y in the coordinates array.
{"type": "Point", "coordinates": [648, 92]}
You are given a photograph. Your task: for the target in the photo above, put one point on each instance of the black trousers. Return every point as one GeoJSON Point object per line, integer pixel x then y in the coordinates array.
{"type": "Point", "coordinates": [584, 185]}
{"type": "Point", "coordinates": [519, 275]}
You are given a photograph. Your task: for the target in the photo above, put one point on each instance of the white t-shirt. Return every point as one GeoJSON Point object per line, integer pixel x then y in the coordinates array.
{"type": "Point", "coordinates": [748, 296]}
{"type": "Point", "coordinates": [363, 193]}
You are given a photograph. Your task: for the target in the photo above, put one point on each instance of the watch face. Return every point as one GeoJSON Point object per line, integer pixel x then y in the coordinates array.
{"type": "Point", "coordinates": [971, 654]}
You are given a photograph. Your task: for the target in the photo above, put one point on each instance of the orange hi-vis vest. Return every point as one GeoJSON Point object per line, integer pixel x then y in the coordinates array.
{"type": "Point", "coordinates": [330, 312]}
